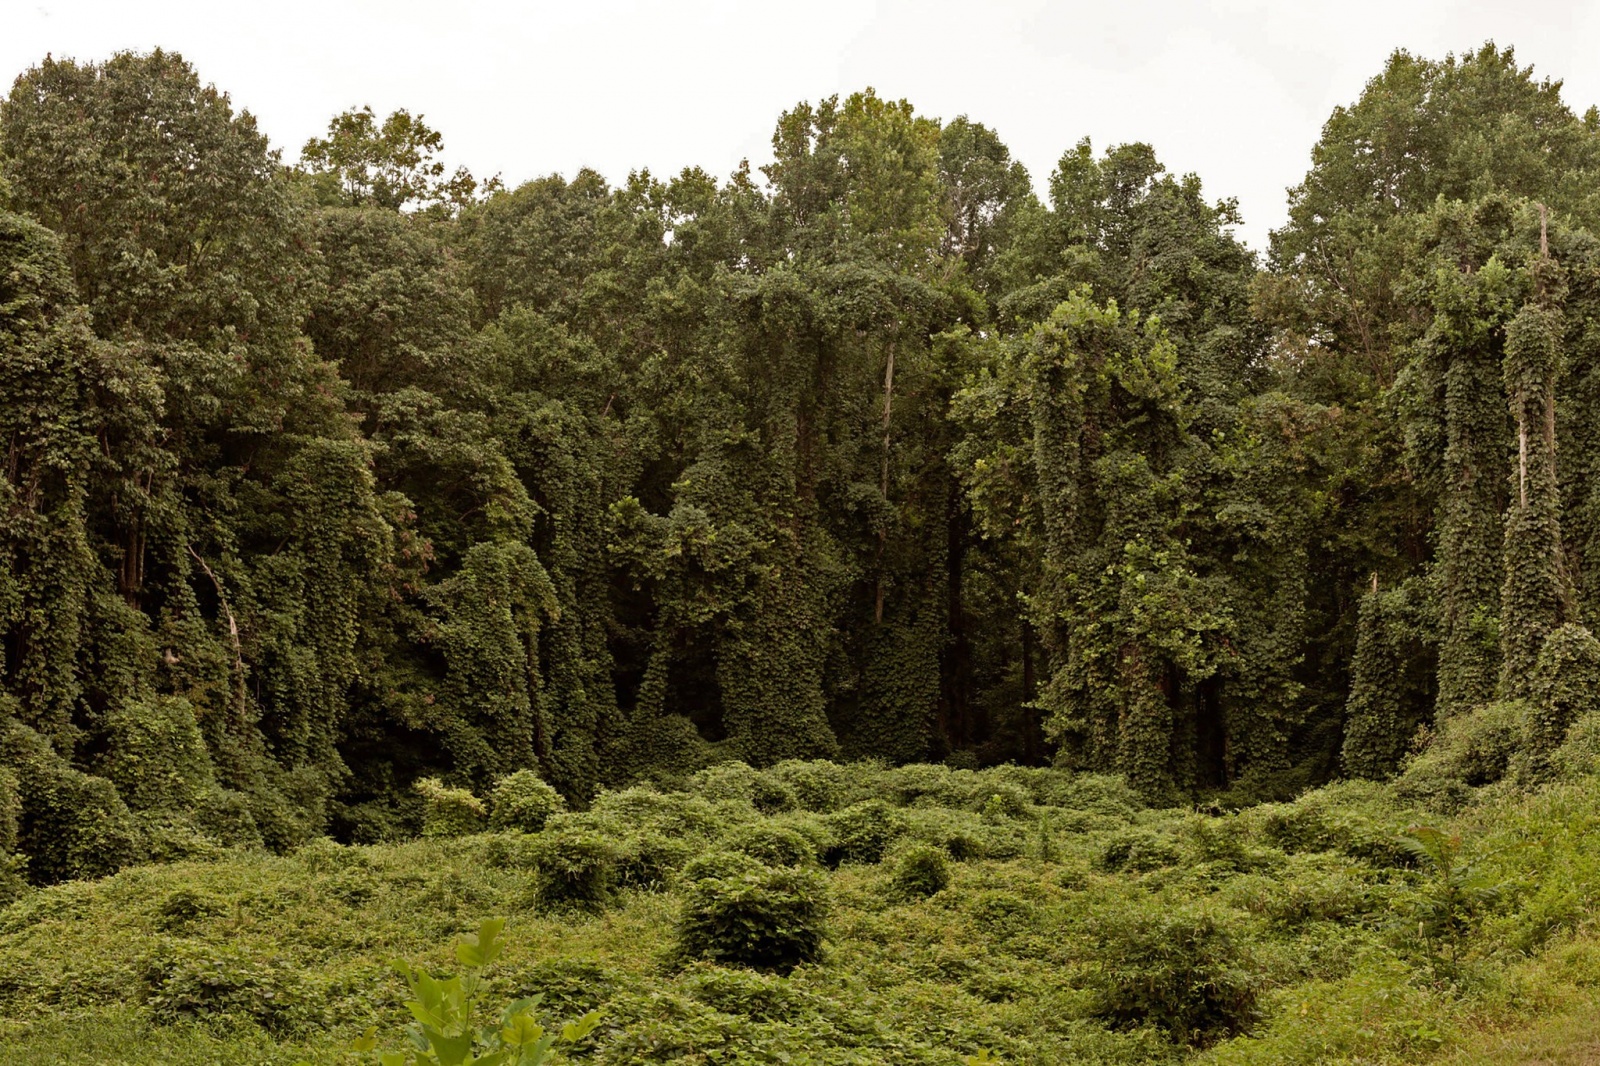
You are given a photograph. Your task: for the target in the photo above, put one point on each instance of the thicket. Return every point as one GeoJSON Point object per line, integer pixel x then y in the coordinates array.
{"type": "Point", "coordinates": [1346, 925]}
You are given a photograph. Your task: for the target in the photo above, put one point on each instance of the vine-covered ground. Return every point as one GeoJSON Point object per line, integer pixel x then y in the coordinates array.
{"type": "Point", "coordinates": [1076, 925]}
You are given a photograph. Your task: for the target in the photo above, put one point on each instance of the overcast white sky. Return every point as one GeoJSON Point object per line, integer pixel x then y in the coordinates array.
{"type": "Point", "coordinates": [1236, 90]}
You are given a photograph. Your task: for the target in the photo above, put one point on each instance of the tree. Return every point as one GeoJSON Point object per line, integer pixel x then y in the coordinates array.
{"type": "Point", "coordinates": [390, 165]}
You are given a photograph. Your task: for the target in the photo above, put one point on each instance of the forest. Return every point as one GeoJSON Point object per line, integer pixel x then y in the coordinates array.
{"type": "Point", "coordinates": [356, 500]}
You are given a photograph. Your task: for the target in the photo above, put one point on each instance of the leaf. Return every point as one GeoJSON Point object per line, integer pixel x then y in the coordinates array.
{"type": "Point", "coordinates": [575, 1031]}
{"type": "Point", "coordinates": [367, 1041]}
{"type": "Point", "coordinates": [483, 947]}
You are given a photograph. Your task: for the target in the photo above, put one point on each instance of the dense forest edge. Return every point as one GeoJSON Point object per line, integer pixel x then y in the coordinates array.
{"type": "Point", "coordinates": [368, 523]}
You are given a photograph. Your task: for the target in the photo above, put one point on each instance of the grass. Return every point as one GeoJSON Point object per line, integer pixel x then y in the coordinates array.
{"type": "Point", "coordinates": [1079, 927]}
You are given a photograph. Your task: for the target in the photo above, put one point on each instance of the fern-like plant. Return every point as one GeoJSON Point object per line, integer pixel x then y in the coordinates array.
{"type": "Point", "coordinates": [1453, 895]}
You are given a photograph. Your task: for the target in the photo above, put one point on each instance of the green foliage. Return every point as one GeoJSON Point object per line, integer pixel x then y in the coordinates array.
{"type": "Point", "coordinates": [450, 812]}
{"type": "Point", "coordinates": [1562, 685]}
{"type": "Point", "coordinates": [1470, 750]}
{"type": "Point", "coordinates": [764, 918]}
{"type": "Point", "coordinates": [1453, 895]}
{"type": "Point", "coordinates": [446, 1029]}
{"type": "Point", "coordinates": [577, 869]}
{"type": "Point", "coordinates": [71, 825]}
{"type": "Point", "coordinates": [921, 871]}
{"type": "Point", "coordinates": [774, 845]}
{"type": "Point", "coordinates": [1138, 850]}
{"type": "Point", "coordinates": [862, 833]}
{"type": "Point", "coordinates": [523, 801]}
{"type": "Point", "coordinates": [1177, 968]}
{"type": "Point", "coordinates": [224, 984]}
{"type": "Point", "coordinates": [156, 755]}
{"type": "Point", "coordinates": [388, 164]}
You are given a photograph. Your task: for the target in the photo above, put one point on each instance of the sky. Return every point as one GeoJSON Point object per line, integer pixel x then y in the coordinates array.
{"type": "Point", "coordinates": [1234, 90]}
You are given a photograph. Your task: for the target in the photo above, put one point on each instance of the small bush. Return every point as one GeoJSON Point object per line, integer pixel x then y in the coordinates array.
{"type": "Point", "coordinates": [670, 814]}
{"type": "Point", "coordinates": [523, 801]}
{"type": "Point", "coordinates": [725, 781]}
{"type": "Point", "coordinates": [1469, 750]}
{"type": "Point", "coordinates": [155, 754]}
{"type": "Point", "coordinates": [721, 864]}
{"type": "Point", "coordinates": [1138, 851]}
{"type": "Point", "coordinates": [1002, 914]}
{"type": "Point", "coordinates": [449, 812]}
{"type": "Point", "coordinates": [774, 845]}
{"type": "Point", "coordinates": [1177, 968]}
{"type": "Point", "coordinates": [1579, 755]}
{"type": "Point", "coordinates": [1354, 818]}
{"type": "Point", "coordinates": [215, 983]}
{"type": "Point", "coordinates": [1095, 793]}
{"type": "Point", "coordinates": [1004, 803]}
{"type": "Point", "coordinates": [759, 997]}
{"type": "Point", "coordinates": [564, 985]}
{"type": "Point", "coordinates": [649, 860]}
{"type": "Point", "coordinates": [817, 785]}
{"type": "Point", "coordinates": [10, 810]}
{"type": "Point", "coordinates": [71, 826]}
{"type": "Point", "coordinates": [576, 869]}
{"type": "Point", "coordinates": [182, 908]}
{"type": "Point", "coordinates": [173, 836]}
{"type": "Point", "coordinates": [737, 782]}
{"type": "Point", "coordinates": [765, 919]}
{"type": "Point", "coordinates": [921, 871]}
{"type": "Point", "coordinates": [862, 833]}
{"type": "Point", "coordinates": [325, 856]}
{"type": "Point", "coordinates": [224, 815]}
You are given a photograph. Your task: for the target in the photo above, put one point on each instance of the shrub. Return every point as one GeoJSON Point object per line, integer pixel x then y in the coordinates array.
{"type": "Point", "coordinates": [70, 825]}
{"type": "Point", "coordinates": [775, 845]}
{"type": "Point", "coordinates": [670, 814]}
{"type": "Point", "coordinates": [1138, 851]}
{"type": "Point", "coordinates": [576, 869]}
{"type": "Point", "coordinates": [1004, 803]}
{"type": "Point", "coordinates": [862, 833]}
{"type": "Point", "coordinates": [10, 810]}
{"type": "Point", "coordinates": [173, 836]}
{"type": "Point", "coordinates": [959, 833]}
{"type": "Point", "coordinates": [649, 860]}
{"type": "Point", "coordinates": [1564, 684]}
{"type": "Point", "coordinates": [1579, 755]}
{"type": "Point", "coordinates": [523, 801]}
{"type": "Point", "coordinates": [323, 855]}
{"type": "Point", "coordinates": [219, 983]}
{"type": "Point", "coordinates": [920, 872]}
{"type": "Point", "coordinates": [929, 783]}
{"type": "Point", "coordinates": [725, 781]}
{"type": "Point", "coordinates": [1002, 914]}
{"type": "Point", "coordinates": [765, 919]}
{"type": "Point", "coordinates": [757, 996]}
{"type": "Point", "coordinates": [448, 1029]}
{"type": "Point", "coordinates": [1469, 750]}
{"type": "Point", "coordinates": [564, 985]}
{"type": "Point", "coordinates": [721, 864]}
{"type": "Point", "coordinates": [817, 785]}
{"type": "Point", "coordinates": [155, 754]}
{"type": "Point", "coordinates": [184, 907]}
{"type": "Point", "coordinates": [1096, 793]}
{"type": "Point", "coordinates": [1177, 968]}
{"type": "Point", "coordinates": [224, 816]}
{"type": "Point", "coordinates": [1344, 818]}
{"type": "Point", "coordinates": [449, 812]}
{"type": "Point", "coordinates": [289, 808]}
